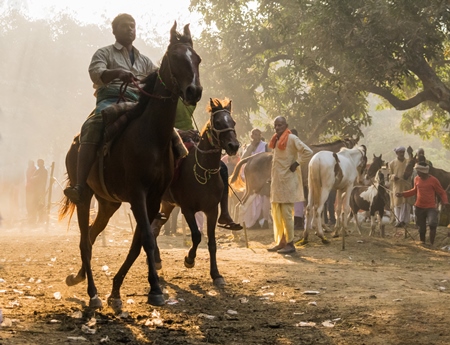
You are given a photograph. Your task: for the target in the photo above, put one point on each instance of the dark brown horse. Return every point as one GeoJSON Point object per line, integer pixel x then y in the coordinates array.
{"type": "Point", "coordinates": [377, 164]}
{"type": "Point", "coordinates": [139, 167]}
{"type": "Point", "coordinates": [199, 186]}
{"type": "Point", "coordinates": [442, 175]}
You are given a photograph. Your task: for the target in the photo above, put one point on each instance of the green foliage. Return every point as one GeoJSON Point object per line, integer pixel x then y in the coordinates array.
{"type": "Point", "coordinates": [315, 62]}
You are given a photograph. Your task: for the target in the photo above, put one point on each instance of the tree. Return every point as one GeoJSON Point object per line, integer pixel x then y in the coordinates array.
{"type": "Point", "coordinates": [316, 61]}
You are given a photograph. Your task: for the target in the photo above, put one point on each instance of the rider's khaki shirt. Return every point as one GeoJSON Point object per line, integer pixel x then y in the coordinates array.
{"type": "Point", "coordinates": [116, 56]}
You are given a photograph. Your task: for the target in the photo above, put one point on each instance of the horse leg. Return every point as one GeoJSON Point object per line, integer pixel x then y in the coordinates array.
{"type": "Point", "coordinates": [345, 205]}
{"type": "Point", "coordinates": [358, 226]}
{"type": "Point", "coordinates": [156, 226]}
{"type": "Point", "coordinates": [86, 248]}
{"type": "Point", "coordinates": [142, 237]}
{"type": "Point", "coordinates": [105, 211]}
{"type": "Point", "coordinates": [196, 236]}
{"type": "Point", "coordinates": [372, 224]}
{"type": "Point", "coordinates": [318, 217]}
{"type": "Point", "coordinates": [211, 220]}
{"type": "Point", "coordinates": [380, 217]}
{"type": "Point", "coordinates": [339, 216]}
{"type": "Point", "coordinates": [309, 211]}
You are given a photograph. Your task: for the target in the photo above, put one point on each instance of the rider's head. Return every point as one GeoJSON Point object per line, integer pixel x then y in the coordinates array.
{"type": "Point", "coordinates": [124, 29]}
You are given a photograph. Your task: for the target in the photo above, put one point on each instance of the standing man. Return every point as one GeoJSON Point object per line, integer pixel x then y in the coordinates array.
{"type": "Point", "coordinates": [287, 186]}
{"type": "Point", "coordinates": [402, 208]}
{"type": "Point", "coordinates": [426, 187]}
{"type": "Point", "coordinates": [257, 144]}
{"type": "Point", "coordinates": [29, 191]}
{"type": "Point", "coordinates": [256, 212]}
{"type": "Point", "coordinates": [39, 185]}
{"type": "Point", "coordinates": [110, 66]}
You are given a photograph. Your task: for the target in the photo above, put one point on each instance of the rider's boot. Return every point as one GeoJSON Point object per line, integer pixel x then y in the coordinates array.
{"type": "Point", "coordinates": [86, 157]}
{"type": "Point", "coordinates": [225, 217]}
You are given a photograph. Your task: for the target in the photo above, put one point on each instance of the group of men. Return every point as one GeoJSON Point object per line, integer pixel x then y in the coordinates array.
{"type": "Point", "coordinates": [121, 63]}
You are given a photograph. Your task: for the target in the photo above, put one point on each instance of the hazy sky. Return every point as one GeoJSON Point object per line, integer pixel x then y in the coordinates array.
{"type": "Point", "coordinates": [158, 13]}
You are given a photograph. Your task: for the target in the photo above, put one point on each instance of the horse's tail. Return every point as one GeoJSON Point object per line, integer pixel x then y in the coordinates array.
{"type": "Point", "coordinates": [337, 168]}
{"type": "Point", "coordinates": [236, 175]}
{"type": "Point", "coordinates": [66, 207]}
{"type": "Point", "coordinates": [314, 183]}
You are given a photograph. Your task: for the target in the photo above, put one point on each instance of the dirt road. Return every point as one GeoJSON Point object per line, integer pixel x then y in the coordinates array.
{"type": "Point", "coordinates": [377, 291]}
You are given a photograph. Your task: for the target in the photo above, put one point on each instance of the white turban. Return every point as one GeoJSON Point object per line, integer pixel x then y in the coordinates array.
{"type": "Point", "coordinates": [399, 149]}
{"type": "Point", "coordinates": [422, 168]}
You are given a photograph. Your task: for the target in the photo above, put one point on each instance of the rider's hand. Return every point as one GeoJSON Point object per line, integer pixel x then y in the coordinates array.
{"type": "Point", "coordinates": [126, 76]}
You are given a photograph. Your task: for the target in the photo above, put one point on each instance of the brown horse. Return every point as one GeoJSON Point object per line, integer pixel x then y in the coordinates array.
{"type": "Point", "coordinates": [199, 186]}
{"type": "Point", "coordinates": [442, 175]}
{"type": "Point", "coordinates": [377, 164]}
{"type": "Point", "coordinates": [138, 168]}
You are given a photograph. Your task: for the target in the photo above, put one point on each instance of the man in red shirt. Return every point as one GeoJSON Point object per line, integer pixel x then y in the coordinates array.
{"type": "Point", "coordinates": [426, 187]}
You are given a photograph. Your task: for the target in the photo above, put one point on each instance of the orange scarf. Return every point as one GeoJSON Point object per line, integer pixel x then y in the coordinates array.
{"type": "Point", "coordinates": [282, 142]}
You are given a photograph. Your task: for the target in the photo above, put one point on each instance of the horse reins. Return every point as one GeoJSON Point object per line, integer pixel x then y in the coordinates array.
{"type": "Point", "coordinates": [174, 81]}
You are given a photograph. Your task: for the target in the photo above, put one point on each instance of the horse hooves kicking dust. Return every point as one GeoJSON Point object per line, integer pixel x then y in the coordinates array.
{"type": "Point", "coordinates": [156, 299]}
{"type": "Point", "coordinates": [95, 303]}
{"type": "Point", "coordinates": [115, 304]}
{"type": "Point", "coordinates": [188, 262]}
{"type": "Point", "coordinates": [219, 282]}
{"type": "Point", "coordinates": [72, 280]}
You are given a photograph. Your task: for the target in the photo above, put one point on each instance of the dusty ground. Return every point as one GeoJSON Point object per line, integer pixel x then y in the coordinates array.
{"type": "Point", "coordinates": [377, 291]}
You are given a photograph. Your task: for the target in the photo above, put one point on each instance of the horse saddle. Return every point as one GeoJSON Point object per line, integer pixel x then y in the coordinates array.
{"type": "Point", "coordinates": [115, 119]}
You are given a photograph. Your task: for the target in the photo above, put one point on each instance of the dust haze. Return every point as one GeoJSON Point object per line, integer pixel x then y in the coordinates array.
{"type": "Point", "coordinates": [46, 95]}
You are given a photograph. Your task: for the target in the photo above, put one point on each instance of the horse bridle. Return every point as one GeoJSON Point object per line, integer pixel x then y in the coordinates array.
{"type": "Point", "coordinates": [173, 80]}
{"type": "Point", "coordinates": [214, 133]}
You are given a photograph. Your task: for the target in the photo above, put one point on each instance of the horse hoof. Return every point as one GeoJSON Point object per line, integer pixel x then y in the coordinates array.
{"type": "Point", "coordinates": [158, 266]}
{"type": "Point", "coordinates": [157, 300]}
{"type": "Point", "coordinates": [301, 242]}
{"type": "Point", "coordinates": [219, 282]}
{"type": "Point", "coordinates": [72, 280]}
{"type": "Point", "coordinates": [335, 235]}
{"type": "Point", "coordinates": [189, 263]}
{"type": "Point", "coordinates": [95, 303]}
{"type": "Point", "coordinates": [325, 241]}
{"type": "Point", "coordinates": [115, 304]}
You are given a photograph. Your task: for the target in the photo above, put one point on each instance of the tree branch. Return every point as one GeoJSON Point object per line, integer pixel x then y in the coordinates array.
{"type": "Point", "coordinates": [335, 113]}
{"type": "Point", "coordinates": [265, 72]}
{"type": "Point", "coordinates": [400, 104]}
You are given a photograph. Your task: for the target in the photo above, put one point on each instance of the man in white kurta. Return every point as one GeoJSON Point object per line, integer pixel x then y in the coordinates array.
{"type": "Point", "coordinates": [286, 187]}
{"type": "Point", "coordinates": [402, 206]}
{"type": "Point", "coordinates": [256, 211]}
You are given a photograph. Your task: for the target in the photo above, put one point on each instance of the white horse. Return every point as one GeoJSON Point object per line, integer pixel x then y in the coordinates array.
{"type": "Point", "coordinates": [327, 171]}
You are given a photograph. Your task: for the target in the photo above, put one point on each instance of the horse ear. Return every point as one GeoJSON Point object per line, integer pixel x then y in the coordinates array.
{"type": "Point", "coordinates": [211, 103]}
{"type": "Point", "coordinates": [173, 33]}
{"type": "Point", "coordinates": [374, 156]}
{"type": "Point", "coordinates": [187, 32]}
{"type": "Point", "coordinates": [228, 106]}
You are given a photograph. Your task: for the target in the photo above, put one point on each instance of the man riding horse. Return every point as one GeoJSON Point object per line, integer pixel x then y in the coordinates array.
{"type": "Point", "coordinates": [110, 67]}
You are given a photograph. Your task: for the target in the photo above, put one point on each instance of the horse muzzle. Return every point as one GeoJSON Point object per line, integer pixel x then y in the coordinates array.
{"type": "Point", "coordinates": [192, 94]}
